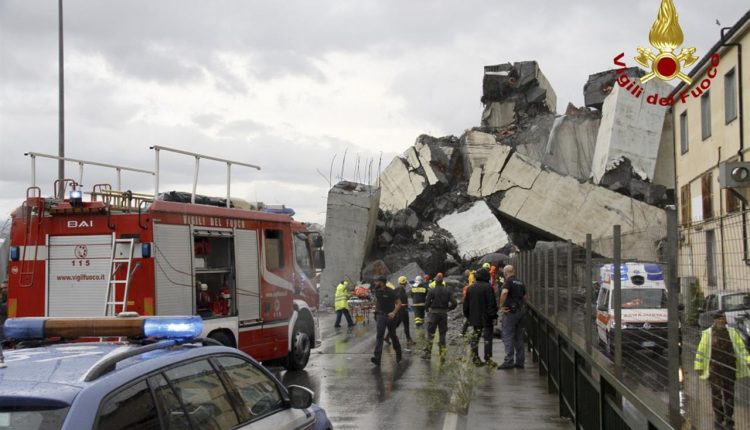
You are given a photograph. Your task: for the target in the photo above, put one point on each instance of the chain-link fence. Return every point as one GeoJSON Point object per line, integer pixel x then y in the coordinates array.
{"type": "Point", "coordinates": [629, 329]}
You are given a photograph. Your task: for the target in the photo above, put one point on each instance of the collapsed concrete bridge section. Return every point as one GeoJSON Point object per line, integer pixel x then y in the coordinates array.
{"type": "Point", "coordinates": [523, 191]}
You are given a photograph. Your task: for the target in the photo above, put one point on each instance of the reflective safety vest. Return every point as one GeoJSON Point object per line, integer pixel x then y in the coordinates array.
{"type": "Point", "coordinates": [418, 294]}
{"type": "Point", "coordinates": [472, 277]}
{"type": "Point", "coordinates": [432, 284]}
{"type": "Point", "coordinates": [342, 297]}
{"type": "Point", "coordinates": [703, 354]}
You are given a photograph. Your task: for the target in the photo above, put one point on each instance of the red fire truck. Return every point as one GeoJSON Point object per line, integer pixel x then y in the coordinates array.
{"type": "Point", "coordinates": [249, 273]}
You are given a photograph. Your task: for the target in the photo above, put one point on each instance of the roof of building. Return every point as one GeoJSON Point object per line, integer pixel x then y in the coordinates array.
{"type": "Point", "coordinates": [733, 31]}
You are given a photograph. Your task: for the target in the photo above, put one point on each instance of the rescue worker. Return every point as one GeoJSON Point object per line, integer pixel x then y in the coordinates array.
{"type": "Point", "coordinates": [438, 281]}
{"type": "Point", "coordinates": [480, 310]}
{"type": "Point", "coordinates": [722, 359]}
{"type": "Point", "coordinates": [3, 305]}
{"type": "Point", "coordinates": [470, 279]}
{"type": "Point", "coordinates": [403, 314]}
{"type": "Point", "coordinates": [512, 301]}
{"type": "Point", "coordinates": [439, 302]}
{"type": "Point", "coordinates": [342, 304]}
{"type": "Point", "coordinates": [418, 295]}
{"type": "Point", "coordinates": [386, 308]}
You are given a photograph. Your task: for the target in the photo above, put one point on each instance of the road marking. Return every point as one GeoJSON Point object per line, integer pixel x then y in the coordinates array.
{"type": "Point", "coordinates": [451, 421]}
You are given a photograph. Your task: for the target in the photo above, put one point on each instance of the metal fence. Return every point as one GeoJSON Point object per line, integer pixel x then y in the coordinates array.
{"type": "Point", "coordinates": [628, 361]}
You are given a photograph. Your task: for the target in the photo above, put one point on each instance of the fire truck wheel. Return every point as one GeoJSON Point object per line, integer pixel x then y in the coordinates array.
{"type": "Point", "coordinates": [300, 353]}
{"type": "Point", "coordinates": [222, 338]}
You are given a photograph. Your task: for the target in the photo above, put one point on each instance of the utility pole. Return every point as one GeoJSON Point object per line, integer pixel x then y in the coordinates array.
{"type": "Point", "coordinates": [61, 127]}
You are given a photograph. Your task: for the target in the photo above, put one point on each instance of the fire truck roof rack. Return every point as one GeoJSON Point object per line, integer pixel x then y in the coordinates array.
{"type": "Point", "coordinates": [81, 163]}
{"type": "Point", "coordinates": [197, 157]}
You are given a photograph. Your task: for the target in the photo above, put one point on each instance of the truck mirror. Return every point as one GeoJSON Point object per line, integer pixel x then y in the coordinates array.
{"type": "Point", "coordinates": [317, 240]}
{"type": "Point", "coordinates": [319, 257]}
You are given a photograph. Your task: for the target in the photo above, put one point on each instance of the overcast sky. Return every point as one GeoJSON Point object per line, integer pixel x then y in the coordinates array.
{"type": "Point", "coordinates": [287, 85]}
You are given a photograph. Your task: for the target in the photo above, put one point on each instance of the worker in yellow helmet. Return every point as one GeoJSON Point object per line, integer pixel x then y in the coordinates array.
{"type": "Point", "coordinates": [342, 304]}
{"type": "Point", "coordinates": [418, 295]}
{"type": "Point", "coordinates": [403, 313]}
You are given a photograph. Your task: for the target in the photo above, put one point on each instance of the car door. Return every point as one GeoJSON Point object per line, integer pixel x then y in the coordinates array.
{"type": "Point", "coordinates": [262, 397]}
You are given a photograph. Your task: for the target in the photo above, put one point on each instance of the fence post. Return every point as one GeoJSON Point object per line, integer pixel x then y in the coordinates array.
{"type": "Point", "coordinates": [556, 287]}
{"type": "Point", "coordinates": [546, 283]}
{"type": "Point", "coordinates": [570, 290]}
{"type": "Point", "coordinates": [673, 329]}
{"type": "Point", "coordinates": [617, 299]}
{"type": "Point", "coordinates": [588, 312]}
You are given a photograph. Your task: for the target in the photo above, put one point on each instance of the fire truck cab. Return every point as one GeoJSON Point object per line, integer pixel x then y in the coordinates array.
{"type": "Point", "coordinates": [248, 272]}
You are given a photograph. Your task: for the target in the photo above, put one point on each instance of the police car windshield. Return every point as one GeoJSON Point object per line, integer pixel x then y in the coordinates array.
{"type": "Point", "coordinates": [31, 418]}
{"type": "Point", "coordinates": [644, 298]}
{"type": "Point", "coordinates": [736, 302]}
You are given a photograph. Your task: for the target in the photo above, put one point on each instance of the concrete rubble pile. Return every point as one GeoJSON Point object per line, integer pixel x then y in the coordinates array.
{"type": "Point", "coordinates": [526, 175]}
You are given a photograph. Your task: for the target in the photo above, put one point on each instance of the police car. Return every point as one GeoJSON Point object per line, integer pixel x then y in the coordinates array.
{"type": "Point", "coordinates": [162, 376]}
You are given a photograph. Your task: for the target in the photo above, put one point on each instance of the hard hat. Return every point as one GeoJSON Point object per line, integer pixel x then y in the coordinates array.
{"type": "Point", "coordinates": [418, 280]}
{"type": "Point", "coordinates": [403, 280]}
{"type": "Point", "coordinates": [486, 265]}
{"type": "Point", "coordinates": [204, 287]}
{"type": "Point", "coordinates": [345, 282]}
{"type": "Point", "coordinates": [439, 275]}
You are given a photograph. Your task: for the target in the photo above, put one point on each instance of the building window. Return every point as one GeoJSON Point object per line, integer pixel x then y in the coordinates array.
{"type": "Point", "coordinates": [683, 132]}
{"type": "Point", "coordinates": [710, 258]}
{"type": "Point", "coordinates": [707, 196]}
{"type": "Point", "coordinates": [685, 204]}
{"type": "Point", "coordinates": [730, 96]}
{"type": "Point", "coordinates": [706, 115]}
{"type": "Point", "coordinates": [733, 203]}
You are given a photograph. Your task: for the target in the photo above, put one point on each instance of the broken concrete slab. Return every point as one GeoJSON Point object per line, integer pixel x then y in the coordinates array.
{"type": "Point", "coordinates": [352, 212]}
{"type": "Point", "coordinates": [499, 114]}
{"type": "Point", "coordinates": [564, 208]}
{"type": "Point", "coordinates": [664, 172]}
{"type": "Point", "coordinates": [571, 144]}
{"type": "Point", "coordinates": [373, 269]}
{"type": "Point", "coordinates": [631, 127]}
{"type": "Point", "coordinates": [475, 148]}
{"type": "Point", "coordinates": [411, 271]}
{"type": "Point", "coordinates": [522, 81]}
{"type": "Point", "coordinates": [404, 221]}
{"type": "Point", "coordinates": [477, 231]}
{"type": "Point", "coordinates": [599, 85]}
{"type": "Point", "coordinates": [400, 185]}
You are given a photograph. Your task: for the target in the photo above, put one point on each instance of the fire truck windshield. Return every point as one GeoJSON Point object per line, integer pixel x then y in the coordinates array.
{"type": "Point", "coordinates": [302, 254]}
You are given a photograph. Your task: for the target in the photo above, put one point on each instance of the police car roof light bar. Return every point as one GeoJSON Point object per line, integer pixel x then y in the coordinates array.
{"type": "Point", "coordinates": [69, 328]}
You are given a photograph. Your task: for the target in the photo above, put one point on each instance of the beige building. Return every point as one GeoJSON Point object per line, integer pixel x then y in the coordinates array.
{"type": "Point", "coordinates": [710, 127]}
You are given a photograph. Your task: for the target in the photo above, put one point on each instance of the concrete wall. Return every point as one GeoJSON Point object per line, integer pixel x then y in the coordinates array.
{"type": "Point", "coordinates": [352, 212]}
{"type": "Point", "coordinates": [631, 127]}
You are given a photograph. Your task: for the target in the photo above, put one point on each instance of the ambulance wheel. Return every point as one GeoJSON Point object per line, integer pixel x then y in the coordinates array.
{"type": "Point", "coordinates": [301, 345]}
{"type": "Point", "coordinates": [222, 338]}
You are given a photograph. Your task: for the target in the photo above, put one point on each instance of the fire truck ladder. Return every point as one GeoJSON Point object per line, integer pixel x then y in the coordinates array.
{"type": "Point", "coordinates": [116, 263]}
{"type": "Point", "coordinates": [34, 212]}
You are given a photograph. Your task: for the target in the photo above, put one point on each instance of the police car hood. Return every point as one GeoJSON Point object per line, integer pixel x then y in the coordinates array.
{"type": "Point", "coordinates": [644, 315]}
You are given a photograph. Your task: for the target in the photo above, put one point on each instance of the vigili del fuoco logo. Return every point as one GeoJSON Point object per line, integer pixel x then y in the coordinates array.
{"type": "Point", "coordinates": [666, 37]}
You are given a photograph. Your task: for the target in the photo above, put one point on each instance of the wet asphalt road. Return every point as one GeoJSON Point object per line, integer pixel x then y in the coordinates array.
{"type": "Point", "coordinates": [416, 393]}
